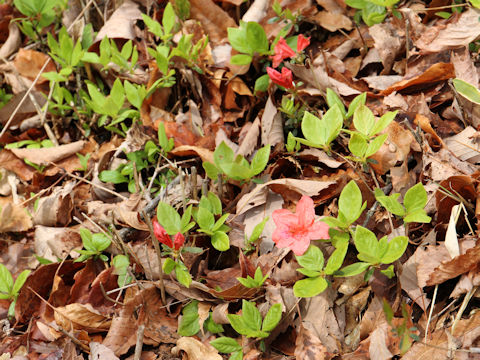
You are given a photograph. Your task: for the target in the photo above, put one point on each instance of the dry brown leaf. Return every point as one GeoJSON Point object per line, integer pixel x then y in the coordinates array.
{"type": "Point", "coordinates": [81, 317]}
{"type": "Point", "coordinates": [186, 150]}
{"type": "Point", "coordinates": [309, 346]}
{"type": "Point", "coordinates": [26, 110]}
{"type": "Point", "coordinates": [463, 186]}
{"type": "Point", "coordinates": [409, 280]}
{"type": "Point", "coordinates": [332, 21]}
{"type": "Point", "coordinates": [464, 67]}
{"type": "Point", "coordinates": [382, 82]}
{"type": "Point", "coordinates": [55, 209]}
{"type": "Point", "coordinates": [272, 125]}
{"type": "Point", "coordinates": [465, 335]}
{"type": "Point", "coordinates": [318, 317]}
{"type": "Point", "coordinates": [29, 63]}
{"type": "Point", "coordinates": [13, 41]}
{"type": "Point", "coordinates": [13, 217]}
{"type": "Point", "coordinates": [389, 42]}
{"type": "Point", "coordinates": [56, 243]}
{"type": "Point", "coordinates": [195, 349]}
{"type": "Point", "coordinates": [456, 34]}
{"type": "Point", "coordinates": [214, 20]}
{"type": "Point", "coordinates": [141, 307]}
{"type": "Point", "coordinates": [464, 145]}
{"type": "Point", "coordinates": [424, 123]}
{"type": "Point", "coordinates": [320, 156]}
{"type": "Point", "coordinates": [249, 143]}
{"type": "Point", "coordinates": [121, 23]}
{"type": "Point", "coordinates": [44, 156]}
{"type": "Point", "coordinates": [99, 351]}
{"type": "Point", "coordinates": [435, 73]}
{"type": "Point", "coordinates": [257, 11]}
{"type": "Point", "coordinates": [378, 349]}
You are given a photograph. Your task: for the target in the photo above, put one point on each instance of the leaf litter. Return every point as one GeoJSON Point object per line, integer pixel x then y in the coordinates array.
{"type": "Point", "coordinates": [65, 169]}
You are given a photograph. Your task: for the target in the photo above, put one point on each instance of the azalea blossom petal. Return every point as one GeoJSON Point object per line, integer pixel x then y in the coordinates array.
{"type": "Point", "coordinates": [276, 60]}
{"type": "Point", "coordinates": [179, 240]}
{"type": "Point", "coordinates": [282, 237]}
{"type": "Point", "coordinates": [302, 42]}
{"type": "Point", "coordinates": [284, 78]}
{"type": "Point", "coordinates": [318, 230]}
{"type": "Point", "coordinates": [284, 217]}
{"type": "Point", "coordinates": [282, 49]}
{"type": "Point", "coordinates": [301, 244]}
{"type": "Point", "coordinates": [161, 234]}
{"type": "Point", "coordinates": [305, 212]}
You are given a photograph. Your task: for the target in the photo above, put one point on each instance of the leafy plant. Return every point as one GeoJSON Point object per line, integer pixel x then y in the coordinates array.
{"type": "Point", "coordinates": [83, 161]}
{"type": "Point", "coordinates": [321, 132]}
{"type": "Point", "coordinates": [9, 289]}
{"type": "Point", "coordinates": [372, 253]}
{"type": "Point", "coordinates": [332, 98]}
{"type": "Point", "coordinates": [236, 167]}
{"type": "Point", "coordinates": [94, 245]}
{"type": "Point", "coordinates": [190, 323]}
{"type": "Point", "coordinates": [255, 282]}
{"type": "Point", "coordinates": [121, 264]}
{"type": "Point", "coordinates": [372, 11]}
{"type": "Point", "coordinates": [249, 38]}
{"type": "Point", "coordinates": [39, 14]}
{"type": "Point", "coordinates": [250, 323]}
{"type": "Point", "coordinates": [364, 142]}
{"type": "Point", "coordinates": [350, 207]}
{"type": "Point", "coordinates": [405, 331]}
{"type": "Point", "coordinates": [227, 345]}
{"type": "Point", "coordinates": [216, 229]}
{"type": "Point", "coordinates": [413, 204]}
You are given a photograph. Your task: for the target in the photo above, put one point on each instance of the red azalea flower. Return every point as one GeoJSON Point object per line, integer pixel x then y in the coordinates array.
{"type": "Point", "coordinates": [285, 78]}
{"type": "Point", "coordinates": [178, 241]}
{"type": "Point", "coordinates": [295, 230]}
{"type": "Point", "coordinates": [302, 42]}
{"type": "Point", "coordinates": [161, 234]}
{"type": "Point", "coordinates": [282, 52]}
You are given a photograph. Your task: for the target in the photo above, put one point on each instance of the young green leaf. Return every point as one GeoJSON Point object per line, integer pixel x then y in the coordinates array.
{"type": "Point", "coordinates": [390, 202]}
{"type": "Point", "coordinates": [205, 219]}
{"type": "Point", "coordinates": [310, 287]}
{"type": "Point", "coordinates": [332, 98]}
{"type": "Point", "coordinates": [363, 120]}
{"type": "Point", "coordinates": [251, 315]}
{"type": "Point", "coordinates": [226, 345]}
{"type": "Point", "coordinates": [189, 324]}
{"type": "Point", "coordinates": [350, 203]}
{"type": "Point", "coordinates": [220, 241]}
{"type": "Point", "coordinates": [360, 99]}
{"type": "Point", "coordinates": [396, 248]}
{"type": "Point", "coordinates": [365, 241]}
{"type": "Point", "coordinates": [168, 217]}
{"type": "Point", "coordinates": [260, 160]}
{"type": "Point", "coordinates": [6, 282]}
{"type": "Point", "coordinates": [312, 259]}
{"type": "Point", "coordinates": [272, 318]}
{"type": "Point", "coordinates": [353, 269]}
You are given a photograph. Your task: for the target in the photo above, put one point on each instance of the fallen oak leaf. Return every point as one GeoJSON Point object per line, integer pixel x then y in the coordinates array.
{"type": "Point", "coordinates": [45, 156]}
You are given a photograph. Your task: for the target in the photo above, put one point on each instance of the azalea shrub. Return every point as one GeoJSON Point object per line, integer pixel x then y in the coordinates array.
{"type": "Point", "coordinates": [296, 230]}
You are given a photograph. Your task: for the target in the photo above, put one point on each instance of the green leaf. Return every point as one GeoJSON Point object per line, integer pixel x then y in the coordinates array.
{"type": "Point", "coordinates": [223, 155]}
{"type": "Point", "coordinates": [261, 84]}
{"type": "Point", "coordinates": [390, 202]}
{"type": "Point", "coordinates": [168, 19]}
{"type": "Point", "coordinates": [358, 145]}
{"type": "Point", "coordinates": [220, 241]}
{"type": "Point", "coordinates": [134, 94]}
{"type": "Point", "coordinates": [205, 219]}
{"type": "Point", "coordinates": [419, 216]}
{"type": "Point", "coordinates": [363, 120]}
{"type": "Point", "coordinates": [226, 345]}
{"type": "Point", "coordinates": [219, 223]}
{"type": "Point", "coordinates": [257, 230]}
{"type": "Point", "coordinates": [333, 122]}
{"type": "Point", "coordinates": [236, 355]}
{"type": "Point", "coordinates": [169, 265]}
{"type": "Point", "coordinates": [211, 170]}
{"type": "Point", "coordinates": [312, 129]}
{"type": "Point", "coordinates": [312, 259]}
{"type": "Point", "coordinates": [360, 99]}
{"type": "Point", "coordinates": [212, 326]}
{"type": "Point", "coordinates": [310, 287]}
{"type": "Point", "coordinates": [365, 241]}
{"type": "Point", "coordinates": [388, 272]}
{"type": "Point", "coordinates": [467, 90]}
{"type": "Point", "coordinates": [183, 276]}
{"type": "Point", "coordinates": [86, 236]}
{"type": "Point", "coordinates": [189, 324]}
{"type": "Point", "coordinates": [415, 198]}
{"type": "Point", "coordinates": [272, 318]}
{"type": "Point", "coordinates": [248, 282]}
{"type": "Point", "coordinates": [256, 38]}
{"type": "Point", "coordinates": [335, 261]}
{"type": "Point", "coordinates": [168, 217]}
{"type": "Point", "coordinates": [383, 122]}
{"type": "Point", "coordinates": [100, 242]}
{"type": "Point", "coordinates": [251, 315]}
{"type": "Point", "coordinates": [6, 281]}
{"type": "Point", "coordinates": [238, 324]}
{"type": "Point", "coordinates": [353, 269]}
{"type": "Point", "coordinates": [238, 38]}
{"type": "Point", "coordinates": [375, 145]}
{"type": "Point", "coordinates": [112, 176]}
{"type": "Point", "coordinates": [332, 98]}
{"type": "Point", "coordinates": [241, 59]}
{"type": "Point", "coordinates": [215, 203]}
{"type": "Point", "coordinates": [308, 272]}
{"type": "Point", "coordinates": [260, 160]}
{"type": "Point", "coordinates": [396, 248]}
{"type": "Point", "coordinates": [350, 202]}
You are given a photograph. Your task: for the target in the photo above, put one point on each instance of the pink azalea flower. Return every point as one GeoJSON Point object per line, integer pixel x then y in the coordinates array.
{"type": "Point", "coordinates": [295, 230]}
{"type": "Point", "coordinates": [178, 240]}
{"type": "Point", "coordinates": [161, 234]}
{"type": "Point", "coordinates": [282, 52]}
{"type": "Point", "coordinates": [302, 42]}
{"type": "Point", "coordinates": [284, 78]}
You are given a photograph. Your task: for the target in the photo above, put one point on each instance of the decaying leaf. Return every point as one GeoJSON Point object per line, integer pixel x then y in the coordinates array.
{"type": "Point", "coordinates": [195, 349]}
